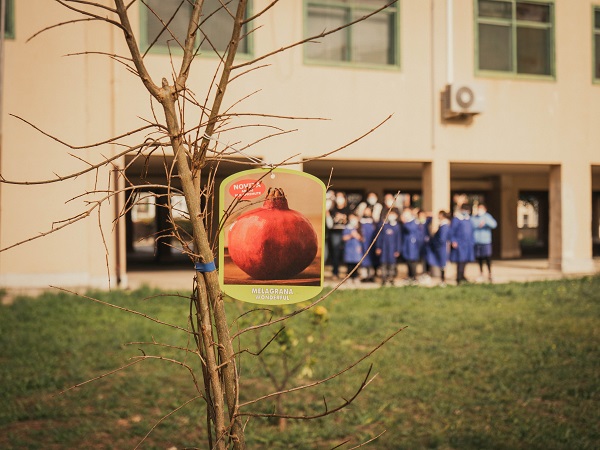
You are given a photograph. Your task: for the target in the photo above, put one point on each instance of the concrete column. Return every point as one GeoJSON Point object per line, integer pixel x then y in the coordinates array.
{"type": "Point", "coordinates": [555, 226]}
{"type": "Point", "coordinates": [571, 218]}
{"type": "Point", "coordinates": [507, 223]}
{"type": "Point", "coordinates": [436, 187]}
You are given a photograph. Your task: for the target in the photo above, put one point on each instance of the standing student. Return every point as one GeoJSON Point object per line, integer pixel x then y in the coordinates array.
{"type": "Point", "coordinates": [353, 245]}
{"type": "Point", "coordinates": [437, 247]}
{"type": "Point", "coordinates": [388, 248]}
{"type": "Point", "coordinates": [461, 238]}
{"type": "Point", "coordinates": [424, 223]}
{"type": "Point", "coordinates": [369, 229]}
{"type": "Point", "coordinates": [338, 219]}
{"type": "Point", "coordinates": [389, 205]}
{"type": "Point", "coordinates": [411, 245]}
{"type": "Point", "coordinates": [483, 224]}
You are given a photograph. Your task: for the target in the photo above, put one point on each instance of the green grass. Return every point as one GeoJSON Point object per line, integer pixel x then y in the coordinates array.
{"type": "Point", "coordinates": [513, 366]}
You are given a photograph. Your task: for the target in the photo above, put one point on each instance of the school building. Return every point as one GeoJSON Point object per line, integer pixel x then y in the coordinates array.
{"type": "Point", "coordinates": [495, 99]}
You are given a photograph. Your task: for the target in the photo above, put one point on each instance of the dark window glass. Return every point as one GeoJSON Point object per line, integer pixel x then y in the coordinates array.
{"type": "Point", "coordinates": [494, 47]}
{"type": "Point", "coordinates": [376, 43]}
{"type": "Point", "coordinates": [334, 46]}
{"type": "Point", "coordinates": [515, 36]}
{"type": "Point", "coordinates": [9, 19]}
{"type": "Point", "coordinates": [495, 9]}
{"type": "Point", "coordinates": [216, 24]}
{"type": "Point", "coordinates": [533, 55]}
{"type": "Point", "coordinates": [162, 14]}
{"type": "Point", "coordinates": [597, 56]}
{"type": "Point", "coordinates": [533, 12]}
{"type": "Point", "coordinates": [371, 41]}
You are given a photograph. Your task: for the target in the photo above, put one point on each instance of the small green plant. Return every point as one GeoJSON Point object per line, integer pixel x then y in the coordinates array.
{"type": "Point", "coordinates": [288, 358]}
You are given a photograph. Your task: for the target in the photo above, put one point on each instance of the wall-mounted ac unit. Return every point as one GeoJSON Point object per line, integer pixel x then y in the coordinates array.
{"type": "Point", "coordinates": [462, 99]}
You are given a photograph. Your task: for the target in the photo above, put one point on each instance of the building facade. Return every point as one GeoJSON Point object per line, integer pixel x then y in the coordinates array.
{"type": "Point", "coordinates": [496, 99]}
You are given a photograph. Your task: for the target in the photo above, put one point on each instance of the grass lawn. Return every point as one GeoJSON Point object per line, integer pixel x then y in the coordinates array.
{"type": "Point", "coordinates": [513, 366]}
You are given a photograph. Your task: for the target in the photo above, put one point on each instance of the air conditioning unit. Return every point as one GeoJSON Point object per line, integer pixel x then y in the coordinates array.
{"type": "Point", "coordinates": [463, 99]}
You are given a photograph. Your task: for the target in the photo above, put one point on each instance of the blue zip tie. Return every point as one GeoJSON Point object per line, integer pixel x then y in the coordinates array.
{"type": "Point", "coordinates": [205, 267]}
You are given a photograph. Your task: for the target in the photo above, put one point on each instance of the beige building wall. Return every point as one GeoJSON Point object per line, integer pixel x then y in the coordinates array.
{"type": "Point", "coordinates": [533, 134]}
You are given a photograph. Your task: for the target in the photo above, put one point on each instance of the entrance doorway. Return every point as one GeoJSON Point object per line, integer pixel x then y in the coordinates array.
{"type": "Point", "coordinates": [532, 222]}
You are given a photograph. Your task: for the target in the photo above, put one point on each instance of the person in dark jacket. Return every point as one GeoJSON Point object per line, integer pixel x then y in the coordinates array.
{"type": "Point", "coordinates": [424, 222]}
{"type": "Point", "coordinates": [368, 230]}
{"type": "Point", "coordinates": [411, 248]}
{"type": "Point", "coordinates": [338, 218]}
{"type": "Point", "coordinates": [462, 245]}
{"type": "Point", "coordinates": [388, 248]}
{"type": "Point", "coordinates": [437, 247]}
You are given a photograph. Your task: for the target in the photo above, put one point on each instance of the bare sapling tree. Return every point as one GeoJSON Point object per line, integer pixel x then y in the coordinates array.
{"type": "Point", "coordinates": [191, 156]}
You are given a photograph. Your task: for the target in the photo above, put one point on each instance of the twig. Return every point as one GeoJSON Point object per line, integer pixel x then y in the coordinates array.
{"type": "Point", "coordinates": [146, 316]}
{"type": "Point", "coordinates": [165, 417]}
{"type": "Point", "coordinates": [98, 377]}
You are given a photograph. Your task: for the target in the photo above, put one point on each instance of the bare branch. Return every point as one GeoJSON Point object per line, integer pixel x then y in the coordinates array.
{"type": "Point", "coordinates": [165, 25]}
{"type": "Point", "coordinates": [166, 417]}
{"type": "Point", "coordinates": [261, 12]}
{"type": "Point", "coordinates": [91, 167]}
{"type": "Point", "coordinates": [135, 52]}
{"type": "Point", "coordinates": [326, 412]}
{"type": "Point", "coordinates": [228, 66]}
{"type": "Point", "coordinates": [121, 308]}
{"type": "Point", "coordinates": [94, 4]}
{"type": "Point", "coordinates": [331, 377]}
{"type": "Point", "coordinates": [97, 144]}
{"type": "Point", "coordinates": [89, 14]}
{"type": "Point", "coordinates": [98, 377]}
{"type": "Point", "coordinates": [69, 22]}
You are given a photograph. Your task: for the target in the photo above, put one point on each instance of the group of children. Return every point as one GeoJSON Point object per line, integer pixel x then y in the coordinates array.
{"type": "Point", "coordinates": [375, 237]}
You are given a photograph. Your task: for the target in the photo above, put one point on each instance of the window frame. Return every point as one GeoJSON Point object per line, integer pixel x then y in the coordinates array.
{"type": "Point", "coordinates": [351, 7]}
{"type": "Point", "coordinates": [514, 24]}
{"type": "Point", "coordinates": [9, 25]}
{"type": "Point", "coordinates": [595, 32]}
{"type": "Point", "coordinates": [175, 50]}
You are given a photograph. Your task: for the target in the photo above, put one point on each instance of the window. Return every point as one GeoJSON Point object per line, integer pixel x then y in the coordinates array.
{"type": "Point", "coordinates": [597, 43]}
{"type": "Point", "coordinates": [370, 42]}
{"type": "Point", "coordinates": [9, 19]}
{"type": "Point", "coordinates": [516, 36]}
{"type": "Point", "coordinates": [216, 24]}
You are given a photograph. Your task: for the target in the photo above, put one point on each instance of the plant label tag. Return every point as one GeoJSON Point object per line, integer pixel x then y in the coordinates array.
{"type": "Point", "coordinates": [272, 236]}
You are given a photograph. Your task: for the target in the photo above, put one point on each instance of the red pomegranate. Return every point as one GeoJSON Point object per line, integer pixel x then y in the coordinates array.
{"type": "Point", "coordinates": [273, 242]}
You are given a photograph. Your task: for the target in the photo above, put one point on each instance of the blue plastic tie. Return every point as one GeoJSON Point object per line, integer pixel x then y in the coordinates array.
{"type": "Point", "coordinates": [205, 267]}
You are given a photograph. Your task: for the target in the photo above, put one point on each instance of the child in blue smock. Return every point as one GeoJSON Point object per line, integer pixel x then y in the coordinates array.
{"type": "Point", "coordinates": [462, 245]}
{"type": "Point", "coordinates": [353, 245]}
{"type": "Point", "coordinates": [411, 243]}
{"type": "Point", "coordinates": [437, 247]}
{"type": "Point", "coordinates": [388, 248]}
{"type": "Point", "coordinates": [368, 229]}
{"type": "Point", "coordinates": [424, 222]}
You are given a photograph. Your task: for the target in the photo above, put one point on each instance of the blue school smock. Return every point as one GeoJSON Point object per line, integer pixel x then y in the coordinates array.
{"type": "Point", "coordinates": [389, 242]}
{"type": "Point", "coordinates": [461, 232]}
{"type": "Point", "coordinates": [437, 247]}
{"type": "Point", "coordinates": [369, 230]}
{"type": "Point", "coordinates": [353, 248]}
{"type": "Point", "coordinates": [424, 236]}
{"type": "Point", "coordinates": [411, 248]}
